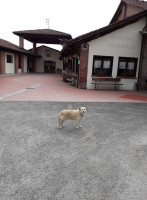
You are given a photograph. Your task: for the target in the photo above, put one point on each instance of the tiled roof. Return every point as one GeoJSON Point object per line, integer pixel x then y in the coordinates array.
{"type": "Point", "coordinates": [45, 36]}
{"type": "Point", "coordinates": [42, 32]}
{"type": "Point", "coordinates": [105, 30]}
{"type": "Point", "coordinates": [6, 45]}
{"type": "Point", "coordinates": [138, 5]}
{"type": "Point", "coordinates": [46, 47]}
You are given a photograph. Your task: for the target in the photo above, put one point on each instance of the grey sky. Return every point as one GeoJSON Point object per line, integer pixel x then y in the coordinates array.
{"type": "Point", "coordinates": [74, 17]}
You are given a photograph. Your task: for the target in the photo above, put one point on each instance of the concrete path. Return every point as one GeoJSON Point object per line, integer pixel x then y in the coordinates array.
{"type": "Point", "coordinates": [104, 160]}
{"type": "Point", "coordinates": [50, 87]}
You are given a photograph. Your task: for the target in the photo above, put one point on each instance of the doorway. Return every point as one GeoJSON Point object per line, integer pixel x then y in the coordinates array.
{"type": "Point", "coordinates": [49, 66]}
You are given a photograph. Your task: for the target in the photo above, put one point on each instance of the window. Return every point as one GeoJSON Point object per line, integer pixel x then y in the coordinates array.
{"type": "Point", "coordinates": [9, 58]}
{"type": "Point", "coordinates": [102, 65]}
{"type": "Point", "coordinates": [127, 67]}
{"type": "Point", "coordinates": [39, 51]}
{"type": "Point", "coordinates": [47, 53]}
{"type": "Point", "coordinates": [77, 64]}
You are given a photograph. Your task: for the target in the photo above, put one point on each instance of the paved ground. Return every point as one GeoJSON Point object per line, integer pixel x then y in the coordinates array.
{"type": "Point", "coordinates": [43, 87]}
{"type": "Point", "coordinates": [104, 160]}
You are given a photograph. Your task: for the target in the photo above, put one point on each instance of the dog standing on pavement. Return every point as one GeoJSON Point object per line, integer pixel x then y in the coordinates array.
{"type": "Point", "coordinates": [76, 115]}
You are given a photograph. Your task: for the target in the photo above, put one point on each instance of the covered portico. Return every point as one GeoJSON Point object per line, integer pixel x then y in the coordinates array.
{"type": "Point", "coordinates": [41, 36]}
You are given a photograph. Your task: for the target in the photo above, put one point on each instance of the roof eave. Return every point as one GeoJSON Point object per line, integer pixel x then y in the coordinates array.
{"type": "Point", "coordinates": [105, 30]}
{"type": "Point", "coordinates": [19, 51]}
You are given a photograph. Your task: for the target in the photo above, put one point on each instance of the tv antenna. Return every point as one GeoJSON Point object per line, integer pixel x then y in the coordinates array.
{"type": "Point", "coordinates": [47, 22]}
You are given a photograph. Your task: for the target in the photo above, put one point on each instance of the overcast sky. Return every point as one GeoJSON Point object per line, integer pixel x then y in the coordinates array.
{"type": "Point", "coordinates": [75, 17]}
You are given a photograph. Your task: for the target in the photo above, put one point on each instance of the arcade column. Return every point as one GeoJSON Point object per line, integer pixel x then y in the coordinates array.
{"type": "Point", "coordinates": [2, 62]}
{"type": "Point", "coordinates": [34, 64]}
{"type": "Point", "coordinates": [16, 63]}
{"type": "Point", "coordinates": [22, 63]}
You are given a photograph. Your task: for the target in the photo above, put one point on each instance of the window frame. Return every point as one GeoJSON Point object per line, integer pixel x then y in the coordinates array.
{"type": "Point", "coordinates": [126, 72]}
{"type": "Point", "coordinates": [102, 71]}
{"type": "Point", "coordinates": [47, 53]}
{"type": "Point", "coordinates": [9, 58]}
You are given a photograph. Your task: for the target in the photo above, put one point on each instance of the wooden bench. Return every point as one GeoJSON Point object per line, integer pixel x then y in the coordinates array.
{"type": "Point", "coordinates": [104, 81]}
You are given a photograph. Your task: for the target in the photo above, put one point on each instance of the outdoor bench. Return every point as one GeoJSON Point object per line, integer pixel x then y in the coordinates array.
{"type": "Point", "coordinates": [98, 81]}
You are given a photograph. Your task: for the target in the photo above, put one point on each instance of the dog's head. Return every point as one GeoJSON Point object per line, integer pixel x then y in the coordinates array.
{"type": "Point", "coordinates": [82, 110]}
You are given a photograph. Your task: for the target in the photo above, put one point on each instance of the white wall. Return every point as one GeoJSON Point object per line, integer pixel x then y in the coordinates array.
{"type": "Point", "coordinates": [124, 42]}
{"type": "Point", "coordinates": [9, 67]}
{"type": "Point", "coordinates": [54, 57]}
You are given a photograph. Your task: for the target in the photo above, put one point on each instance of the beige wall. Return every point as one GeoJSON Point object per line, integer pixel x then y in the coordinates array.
{"type": "Point", "coordinates": [125, 42]}
{"type": "Point", "coordinates": [53, 57]}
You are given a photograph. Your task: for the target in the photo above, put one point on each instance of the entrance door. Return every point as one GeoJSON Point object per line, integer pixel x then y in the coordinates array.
{"type": "Point", "coordinates": [30, 64]}
{"type": "Point", "coordinates": [49, 66]}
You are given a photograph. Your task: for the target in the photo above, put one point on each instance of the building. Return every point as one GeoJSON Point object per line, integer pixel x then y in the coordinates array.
{"type": "Point", "coordinates": [49, 61]}
{"type": "Point", "coordinates": [14, 59]}
{"type": "Point", "coordinates": [116, 51]}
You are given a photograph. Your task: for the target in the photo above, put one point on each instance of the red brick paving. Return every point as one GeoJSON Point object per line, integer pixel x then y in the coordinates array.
{"type": "Point", "coordinates": [50, 87]}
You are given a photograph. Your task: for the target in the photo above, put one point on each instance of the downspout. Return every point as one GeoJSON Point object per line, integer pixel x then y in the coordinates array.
{"type": "Point", "coordinates": [140, 65]}
{"type": "Point", "coordinates": [141, 58]}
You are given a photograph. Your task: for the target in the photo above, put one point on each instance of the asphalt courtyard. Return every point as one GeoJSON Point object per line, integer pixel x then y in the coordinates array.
{"type": "Point", "coordinates": [106, 159]}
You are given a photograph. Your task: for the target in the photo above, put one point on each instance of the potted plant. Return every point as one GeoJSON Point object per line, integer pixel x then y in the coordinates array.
{"type": "Point", "coordinates": [101, 73]}
{"type": "Point", "coordinates": [125, 75]}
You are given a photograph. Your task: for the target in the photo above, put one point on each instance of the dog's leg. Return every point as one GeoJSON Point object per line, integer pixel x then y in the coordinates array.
{"type": "Point", "coordinates": [77, 123]}
{"type": "Point", "coordinates": [60, 125]}
{"type": "Point", "coordinates": [60, 122]}
{"type": "Point", "coordinates": [80, 125]}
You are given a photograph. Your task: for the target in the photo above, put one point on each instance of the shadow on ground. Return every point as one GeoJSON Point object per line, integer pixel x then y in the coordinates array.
{"type": "Point", "coordinates": [104, 160]}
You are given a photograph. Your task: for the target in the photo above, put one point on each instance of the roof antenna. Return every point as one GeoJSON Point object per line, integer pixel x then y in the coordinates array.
{"type": "Point", "coordinates": [47, 22]}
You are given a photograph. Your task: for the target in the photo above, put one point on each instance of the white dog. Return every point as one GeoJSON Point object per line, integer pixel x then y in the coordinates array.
{"type": "Point", "coordinates": [76, 115]}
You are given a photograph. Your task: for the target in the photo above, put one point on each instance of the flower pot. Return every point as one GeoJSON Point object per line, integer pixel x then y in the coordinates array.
{"type": "Point", "coordinates": [101, 74]}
